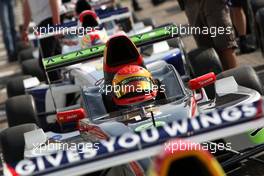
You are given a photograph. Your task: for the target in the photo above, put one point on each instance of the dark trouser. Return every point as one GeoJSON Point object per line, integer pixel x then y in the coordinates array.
{"type": "Point", "coordinates": [213, 15]}
{"type": "Point", "coordinates": [50, 47]}
{"type": "Point", "coordinates": [8, 26]}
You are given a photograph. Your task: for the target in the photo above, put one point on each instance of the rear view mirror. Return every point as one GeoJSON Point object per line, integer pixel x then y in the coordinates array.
{"type": "Point", "coordinates": [202, 81]}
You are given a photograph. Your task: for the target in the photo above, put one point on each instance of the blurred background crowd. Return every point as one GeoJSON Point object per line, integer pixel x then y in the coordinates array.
{"type": "Point", "coordinates": [199, 13]}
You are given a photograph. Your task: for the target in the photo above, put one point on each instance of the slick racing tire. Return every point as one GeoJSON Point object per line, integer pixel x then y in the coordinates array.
{"type": "Point", "coordinates": [13, 143]}
{"type": "Point", "coordinates": [15, 86]}
{"type": "Point", "coordinates": [32, 67]}
{"type": "Point", "coordinates": [25, 54]}
{"type": "Point", "coordinates": [20, 110]}
{"type": "Point", "coordinates": [260, 27]}
{"type": "Point", "coordinates": [244, 76]}
{"type": "Point", "coordinates": [202, 61]}
{"type": "Point", "coordinates": [181, 4]}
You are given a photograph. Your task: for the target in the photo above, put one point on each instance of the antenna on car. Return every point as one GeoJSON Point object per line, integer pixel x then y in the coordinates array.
{"type": "Point", "coordinates": [153, 118]}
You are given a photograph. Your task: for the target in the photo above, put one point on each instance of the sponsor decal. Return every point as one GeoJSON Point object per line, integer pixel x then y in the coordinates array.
{"type": "Point", "coordinates": [143, 139]}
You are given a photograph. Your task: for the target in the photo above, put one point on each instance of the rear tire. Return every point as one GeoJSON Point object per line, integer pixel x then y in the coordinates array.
{"type": "Point", "coordinates": [25, 54]}
{"type": "Point", "coordinates": [20, 110]}
{"type": "Point", "coordinates": [202, 61]}
{"type": "Point", "coordinates": [13, 142]}
{"type": "Point", "coordinates": [15, 86]}
{"type": "Point", "coordinates": [32, 67]}
{"type": "Point", "coordinates": [244, 76]}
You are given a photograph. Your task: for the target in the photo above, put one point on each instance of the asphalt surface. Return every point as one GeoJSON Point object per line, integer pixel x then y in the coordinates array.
{"type": "Point", "coordinates": [165, 13]}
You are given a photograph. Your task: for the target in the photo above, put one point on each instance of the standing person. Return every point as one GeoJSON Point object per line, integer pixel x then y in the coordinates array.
{"type": "Point", "coordinates": [213, 13]}
{"type": "Point", "coordinates": [44, 13]}
{"type": "Point", "coordinates": [8, 28]}
{"type": "Point", "coordinates": [240, 23]}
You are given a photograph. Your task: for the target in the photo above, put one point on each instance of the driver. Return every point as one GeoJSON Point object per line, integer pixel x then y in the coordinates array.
{"type": "Point", "coordinates": [133, 85]}
{"type": "Point", "coordinates": [92, 33]}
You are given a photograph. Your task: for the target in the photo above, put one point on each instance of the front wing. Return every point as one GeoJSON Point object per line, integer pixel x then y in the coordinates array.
{"type": "Point", "coordinates": [135, 146]}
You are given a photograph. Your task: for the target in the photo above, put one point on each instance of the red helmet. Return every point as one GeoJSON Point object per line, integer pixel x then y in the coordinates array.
{"type": "Point", "coordinates": [132, 85]}
{"type": "Point", "coordinates": [88, 18]}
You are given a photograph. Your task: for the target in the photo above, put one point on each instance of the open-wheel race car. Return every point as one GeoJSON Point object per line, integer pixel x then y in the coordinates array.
{"type": "Point", "coordinates": [88, 73]}
{"type": "Point", "coordinates": [85, 78]}
{"type": "Point", "coordinates": [132, 153]}
{"type": "Point", "coordinates": [173, 107]}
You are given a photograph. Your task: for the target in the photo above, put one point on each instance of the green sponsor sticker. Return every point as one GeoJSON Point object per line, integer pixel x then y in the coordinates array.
{"type": "Point", "coordinates": [149, 125]}
{"type": "Point", "coordinates": [257, 136]}
{"type": "Point", "coordinates": [58, 61]}
{"type": "Point", "coordinates": [77, 56]}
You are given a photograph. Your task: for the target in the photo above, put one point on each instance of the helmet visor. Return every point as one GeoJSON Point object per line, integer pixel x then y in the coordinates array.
{"type": "Point", "coordinates": [133, 86]}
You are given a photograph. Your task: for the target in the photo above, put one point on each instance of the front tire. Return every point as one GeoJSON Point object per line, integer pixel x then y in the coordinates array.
{"type": "Point", "coordinates": [245, 76]}
{"type": "Point", "coordinates": [13, 142]}
{"type": "Point", "coordinates": [20, 110]}
{"type": "Point", "coordinates": [15, 86]}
